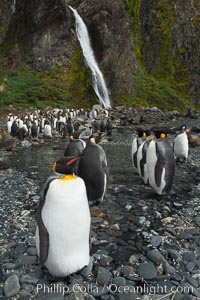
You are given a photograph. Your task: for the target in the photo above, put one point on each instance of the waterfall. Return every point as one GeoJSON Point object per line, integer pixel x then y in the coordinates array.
{"type": "Point", "coordinates": [13, 7]}
{"type": "Point", "coordinates": [98, 81]}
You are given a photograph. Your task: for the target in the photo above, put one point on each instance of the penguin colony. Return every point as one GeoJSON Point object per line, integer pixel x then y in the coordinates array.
{"type": "Point", "coordinates": [80, 179]}
{"type": "Point", "coordinates": [64, 123]}
{"type": "Point", "coordinates": [153, 157]}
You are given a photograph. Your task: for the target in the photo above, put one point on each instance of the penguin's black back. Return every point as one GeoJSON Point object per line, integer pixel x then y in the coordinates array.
{"type": "Point", "coordinates": [74, 148]}
{"type": "Point", "coordinates": [92, 169]}
{"type": "Point", "coordinates": [165, 159]}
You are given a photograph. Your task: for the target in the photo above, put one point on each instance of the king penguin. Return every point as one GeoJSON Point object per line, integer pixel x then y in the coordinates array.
{"type": "Point", "coordinates": [142, 160]}
{"type": "Point", "coordinates": [93, 170]}
{"type": "Point", "coordinates": [75, 147]}
{"type": "Point", "coordinates": [160, 166]}
{"type": "Point", "coordinates": [63, 223]}
{"type": "Point", "coordinates": [181, 145]}
{"type": "Point", "coordinates": [137, 141]}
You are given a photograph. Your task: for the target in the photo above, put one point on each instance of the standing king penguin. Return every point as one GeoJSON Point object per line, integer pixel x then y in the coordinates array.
{"type": "Point", "coordinates": [181, 145]}
{"type": "Point", "coordinates": [93, 170]}
{"type": "Point", "coordinates": [160, 166]}
{"type": "Point", "coordinates": [138, 139]}
{"type": "Point", "coordinates": [63, 223]}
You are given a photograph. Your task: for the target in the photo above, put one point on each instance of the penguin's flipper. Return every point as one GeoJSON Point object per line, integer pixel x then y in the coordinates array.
{"type": "Point", "coordinates": [43, 233]}
{"type": "Point", "coordinates": [159, 169]}
{"type": "Point", "coordinates": [44, 238]}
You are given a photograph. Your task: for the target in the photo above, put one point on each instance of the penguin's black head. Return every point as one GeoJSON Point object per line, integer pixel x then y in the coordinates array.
{"type": "Point", "coordinates": [66, 165]}
{"type": "Point", "coordinates": [96, 138]}
{"type": "Point", "coordinates": [139, 131]}
{"type": "Point", "coordinates": [146, 133]}
{"type": "Point", "coordinates": [183, 128]}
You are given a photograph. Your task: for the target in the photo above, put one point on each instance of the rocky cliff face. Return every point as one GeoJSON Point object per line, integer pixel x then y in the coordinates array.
{"type": "Point", "coordinates": [171, 41]}
{"type": "Point", "coordinates": [158, 39]}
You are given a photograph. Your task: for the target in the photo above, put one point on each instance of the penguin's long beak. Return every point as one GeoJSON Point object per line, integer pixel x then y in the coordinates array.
{"type": "Point", "coordinates": [71, 161]}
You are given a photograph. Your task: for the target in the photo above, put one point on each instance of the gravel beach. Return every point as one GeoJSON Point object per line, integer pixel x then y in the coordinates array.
{"type": "Point", "coordinates": [143, 246]}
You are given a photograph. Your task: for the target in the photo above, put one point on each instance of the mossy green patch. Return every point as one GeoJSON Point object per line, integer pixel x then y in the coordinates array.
{"type": "Point", "coordinates": [80, 81]}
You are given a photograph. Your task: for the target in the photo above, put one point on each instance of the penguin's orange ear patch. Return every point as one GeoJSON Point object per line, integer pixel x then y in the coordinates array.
{"type": "Point", "coordinates": [71, 161]}
{"type": "Point", "coordinates": [54, 167]}
{"type": "Point", "coordinates": [163, 135]}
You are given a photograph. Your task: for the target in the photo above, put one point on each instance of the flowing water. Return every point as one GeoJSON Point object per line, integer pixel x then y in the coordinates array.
{"type": "Point", "coordinates": [99, 84]}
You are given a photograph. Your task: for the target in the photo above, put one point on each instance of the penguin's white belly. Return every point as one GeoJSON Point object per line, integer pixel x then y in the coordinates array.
{"type": "Point", "coordinates": [9, 125]}
{"type": "Point", "coordinates": [47, 130]}
{"type": "Point", "coordinates": [181, 146]}
{"type": "Point", "coordinates": [66, 217]}
{"type": "Point", "coordinates": [139, 157]}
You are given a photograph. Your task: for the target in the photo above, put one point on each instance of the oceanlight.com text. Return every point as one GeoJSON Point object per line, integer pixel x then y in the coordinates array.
{"type": "Point", "coordinates": [112, 289]}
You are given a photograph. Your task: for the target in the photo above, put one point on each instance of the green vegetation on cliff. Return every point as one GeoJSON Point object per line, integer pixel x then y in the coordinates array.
{"type": "Point", "coordinates": [163, 80]}
{"type": "Point", "coordinates": [24, 88]}
{"type": "Point", "coordinates": [59, 87]}
{"type": "Point", "coordinates": [162, 76]}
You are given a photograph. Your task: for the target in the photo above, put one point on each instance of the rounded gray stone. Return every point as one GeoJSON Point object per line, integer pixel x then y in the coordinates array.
{"type": "Point", "coordinates": [147, 270]}
{"type": "Point", "coordinates": [11, 286]}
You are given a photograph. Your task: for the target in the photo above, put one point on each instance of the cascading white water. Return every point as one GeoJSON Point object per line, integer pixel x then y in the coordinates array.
{"type": "Point", "coordinates": [99, 84]}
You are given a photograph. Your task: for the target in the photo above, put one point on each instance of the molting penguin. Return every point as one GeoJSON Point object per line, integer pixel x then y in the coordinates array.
{"type": "Point", "coordinates": [181, 145]}
{"type": "Point", "coordinates": [63, 223]}
{"type": "Point", "coordinates": [160, 166]}
{"type": "Point", "coordinates": [93, 170]}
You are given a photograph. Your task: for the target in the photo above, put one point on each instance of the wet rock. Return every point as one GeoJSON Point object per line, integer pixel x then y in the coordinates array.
{"type": "Point", "coordinates": [103, 276]}
{"type": "Point", "coordinates": [145, 297]}
{"type": "Point", "coordinates": [119, 281]}
{"type": "Point", "coordinates": [27, 260]}
{"type": "Point", "coordinates": [29, 279]}
{"type": "Point", "coordinates": [25, 213]}
{"type": "Point", "coordinates": [175, 255]}
{"type": "Point", "coordinates": [133, 260]}
{"type": "Point", "coordinates": [128, 294]}
{"type": "Point", "coordinates": [139, 220]}
{"type": "Point", "coordinates": [197, 220]}
{"type": "Point", "coordinates": [75, 296]}
{"type": "Point", "coordinates": [30, 241]}
{"type": "Point", "coordinates": [31, 251]}
{"type": "Point", "coordinates": [11, 286]}
{"type": "Point", "coordinates": [99, 291]}
{"type": "Point", "coordinates": [27, 288]}
{"type": "Point", "coordinates": [192, 281]}
{"type": "Point", "coordinates": [50, 296]}
{"type": "Point", "coordinates": [156, 241]}
{"type": "Point", "coordinates": [189, 256]}
{"type": "Point", "coordinates": [156, 257]}
{"type": "Point", "coordinates": [189, 266]}
{"type": "Point", "coordinates": [126, 270]}
{"type": "Point", "coordinates": [147, 270]}
{"type": "Point", "coordinates": [183, 235]}
{"type": "Point", "coordinates": [10, 266]}
{"type": "Point", "coordinates": [178, 204]}
{"type": "Point", "coordinates": [86, 271]}
{"type": "Point", "coordinates": [19, 250]}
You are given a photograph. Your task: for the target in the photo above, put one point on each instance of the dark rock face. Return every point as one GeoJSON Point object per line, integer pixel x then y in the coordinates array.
{"type": "Point", "coordinates": [41, 30]}
{"type": "Point", "coordinates": [110, 31]}
{"type": "Point", "coordinates": [166, 38]}
{"type": "Point", "coordinates": [170, 34]}
{"type": "Point", "coordinates": [44, 36]}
